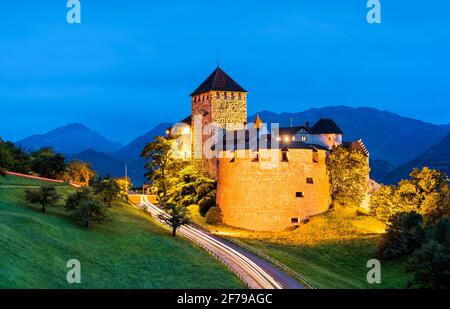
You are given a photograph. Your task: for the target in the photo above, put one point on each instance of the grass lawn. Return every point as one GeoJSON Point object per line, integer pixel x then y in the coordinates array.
{"type": "Point", "coordinates": [331, 251]}
{"type": "Point", "coordinates": [130, 251]}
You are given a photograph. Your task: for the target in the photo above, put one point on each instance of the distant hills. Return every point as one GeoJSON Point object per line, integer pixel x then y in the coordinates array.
{"type": "Point", "coordinates": [437, 156]}
{"type": "Point", "coordinates": [72, 138]}
{"type": "Point", "coordinates": [396, 143]}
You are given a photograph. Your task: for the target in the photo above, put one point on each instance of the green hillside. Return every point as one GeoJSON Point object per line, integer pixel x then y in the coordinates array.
{"type": "Point", "coordinates": [130, 251]}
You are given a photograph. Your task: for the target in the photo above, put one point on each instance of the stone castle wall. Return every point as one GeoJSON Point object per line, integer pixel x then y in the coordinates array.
{"type": "Point", "coordinates": [254, 197]}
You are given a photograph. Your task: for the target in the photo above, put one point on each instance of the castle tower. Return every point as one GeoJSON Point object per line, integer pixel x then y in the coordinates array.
{"type": "Point", "coordinates": [220, 101]}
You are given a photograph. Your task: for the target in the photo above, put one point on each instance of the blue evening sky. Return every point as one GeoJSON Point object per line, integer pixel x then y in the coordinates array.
{"type": "Point", "coordinates": [132, 64]}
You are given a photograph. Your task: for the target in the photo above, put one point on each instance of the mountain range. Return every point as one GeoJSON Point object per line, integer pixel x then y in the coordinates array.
{"type": "Point", "coordinates": [63, 140]}
{"type": "Point", "coordinates": [396, 143]}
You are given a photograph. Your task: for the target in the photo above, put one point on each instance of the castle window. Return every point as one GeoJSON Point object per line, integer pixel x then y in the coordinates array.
{"type": "Point", "coordinates": [310, 180]}
{"type": "Point", "coordinates": [299, 194]}
{"type": "Point", "coordinates": [294, 220]}
{"type": "Point", "coordinates": [239, 96]}
{"type": "Point", "coordinates": [225, 96]}
{"type": "Point", "coordinates": [304, 138]}
{"type": "Point", "coordinates": [284, 156]}
{"type": "Point", "coordinates": [217, 95]}
{"type": "Point", "coordinates": [315, 156]}
{"type": "Point", "coordinates": [232, 96]}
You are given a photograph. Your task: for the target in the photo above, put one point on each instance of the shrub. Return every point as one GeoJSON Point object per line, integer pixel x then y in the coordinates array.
{"type": "Point", "coordinates": [207, 202]}
{"type": "Point", "coordinates": [214, 216]}
{"type": "Point", "coordinates": [405, 234]}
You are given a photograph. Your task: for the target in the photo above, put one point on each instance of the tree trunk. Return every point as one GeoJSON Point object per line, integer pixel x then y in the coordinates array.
{"type": "Point", "coordinates": [174, 231]}
{"type": "Point", "coordinates": [43, 208]}
{"type": "Point", "coordinates": [86, 225]}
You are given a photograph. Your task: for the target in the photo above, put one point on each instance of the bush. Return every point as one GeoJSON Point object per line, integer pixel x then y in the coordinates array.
{"type": "Point", "coordinates": [207, 202]}
{"type": "Point", "coordinates": [214, 216]}
{"type": "Point", "coordinates": [405, 234]}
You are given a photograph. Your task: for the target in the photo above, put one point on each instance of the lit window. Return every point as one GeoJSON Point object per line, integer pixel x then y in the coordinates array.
{"type": "Point", "coordinates": [293, 138]}
{"type": "Point", "coordinates": [304, 138]}
{"type": "Point", "coordinates": [286, 138]}
{"type": "Point", "coordinates": [278, 138]}
{"type": "Point", "coordinates": [299, 194]}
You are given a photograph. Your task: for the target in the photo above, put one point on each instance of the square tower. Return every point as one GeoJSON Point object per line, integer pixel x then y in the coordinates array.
{"type": "Point", "coordinates": [218, 101]}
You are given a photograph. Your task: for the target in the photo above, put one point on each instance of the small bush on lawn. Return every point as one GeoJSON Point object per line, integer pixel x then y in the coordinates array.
{"type": "Point", "coordinates": [214, 216]}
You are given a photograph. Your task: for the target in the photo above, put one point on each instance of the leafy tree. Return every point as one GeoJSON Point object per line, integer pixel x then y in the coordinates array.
{"type": "Point", "coordinates": [405, 234]}
{"type": "Point", "coordinates": [349, 174]}
{"type": "Point", "coordinates": [382, 205]}
{"type": "Point", "coordinates": [431, 263]}
{"type": "Point", "coordinates": [214, 216]}
{"type": "Point", "coordinates": [47, 163]}
{"type": "Point", "coordinates": [13, 158]}
{"type": "Point", "coordinates": [158, 155]}
{"type": "Point", "coordinates": [124, 185]}
{"type": "Point", "coordinates": [108, 190]}
{"type": "Point", "coordinates": [176, 216]}
{"type": "Point", "coordinates": [427, 192]}
{"type": "Point", "coordinates": [45, 196]}
{"type": "Point", "coordinates": [80, 173]}
{"type": "Point", "coordinates": [86, 207]}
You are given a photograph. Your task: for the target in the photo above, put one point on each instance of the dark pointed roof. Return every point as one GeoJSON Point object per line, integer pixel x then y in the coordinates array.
{"type": "Point", "coordinates": [220, 81]}
{"type": "Point", "coordinates": [326, 126]}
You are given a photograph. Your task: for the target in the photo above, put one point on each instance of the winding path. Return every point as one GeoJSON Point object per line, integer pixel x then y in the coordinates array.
{"type": "Point", "coordinates": [254, 271]}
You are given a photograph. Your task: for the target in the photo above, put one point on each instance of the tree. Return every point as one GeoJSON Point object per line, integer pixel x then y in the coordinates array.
{"type": "Point", "coordinates": [158, 155]}
{"type": "Point", "coordinates": [86, 207]}
{"type": "Point", "coordinates": [13, 158]}
{"type": "Point", "coordinates": [431, 263]}
{"type": "Point", "coordinates": [124, 185]}
{"type": "Point", "coordinates": [79, 173]}
{"type": "Point", "coordinates": [349, 174]}
{"type": "Point", "coordinates": [382, 205]}
{"type": "Point", "coordinates": [405, 234]}
{"type": "Point", "coordinates": [45, 196]}
{"type": "Point", "coordinates": [176, 216]}
{"type": "Point", "coordinates": [47, 163]}
{"type": "Point", "coordinates": [108, 190]}
{"type": "Point", "coordinates": [427, 193]}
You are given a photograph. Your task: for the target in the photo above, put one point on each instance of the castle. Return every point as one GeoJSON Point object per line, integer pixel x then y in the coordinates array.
{"type": "Point", "coordinates": [268, 179]}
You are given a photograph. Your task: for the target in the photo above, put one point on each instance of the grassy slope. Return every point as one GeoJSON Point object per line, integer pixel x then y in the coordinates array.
{"type": "Point", "coordinates": [130, 251]}
{"type": "Point", "coordinates": [331, 251]}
